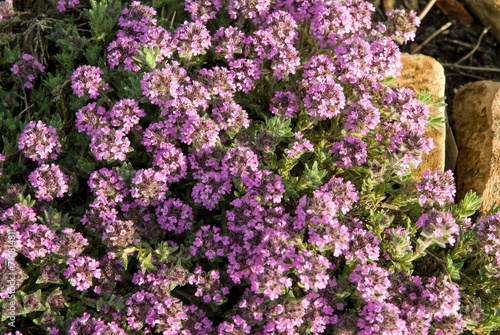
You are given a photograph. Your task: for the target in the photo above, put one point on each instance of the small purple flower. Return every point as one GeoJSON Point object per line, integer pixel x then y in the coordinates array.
{"type": "Point", "coordinates": [437, 187]}
{"type": "Point", "coordinates": [159, 135]}
{"type": "Point", "coordinates": [87, 81]}
{"type": "Point", "coordinates": [89, 118]}
{"type": "Point", "coordinates": [38, 241]}
{"type": "Point", "coordinates": [85, 325]}
{"type": "Point", "coordinates": [211, 188]}
{"type": "Point", "coordinates": [6, 11]}
{"type": "Point", "coordinates": [149, 186]}
{"type": "Point", "coordinates": [109, 143]}
{"type": "Point", "coordinates": [163, 86]}
{"type": "Point", "coordinates": [18, 216]}
{"type": "Point", "coordinates": [240, 161]}
{"type": "Point", "coordinates": [228, 41]}
{"type": "Point", "coordinates": [256, 10]}
{"type": "Point", "coordinates": [49, 181]}
{"type": "Point", "coordinates": [372, 282]}
{"type": "Point", "coordinates": [172, 162]}
{"type": "Point", "coordinates": [71, 242]}
{"type": "Point", "coordinates": [401, 25]}
{"type": "Point", "coordinates": [107, 187]}
{"type": "Point", "coordinates": [284, 104]}
{"type": "Point", "coordinates": [27, 69]}
{"type": "Point", "coordinates": [80, 272]}
{"type": "Point", "coordinates": [489, 232]}
{"type": "Point", "coordinates": [174, 215]}
{"type": "Point", "coordinates": [324, 96]}
{"type": "Point", "coordinates": [202, 10]}
{"type": "Point", "coordinates": [200, 132]}
{"type": "Point", "coordinates": [246, 73]}
{"type": "Point", "coordinates": [439, 226]}
{"type": "Point", "coordinates": [137, 17]}
{"type": "Point", "coordinates": [230, 115]}
{"type": "Point", "coordinates": [192, 39]}
{"type": "Point", "coordinates": [125, 114]}
{"type": "Point", "coordinates": [381, 317]}
{"type": "Point", "coordinates": [219, 81]}
{"type": "Point", "coordinates": [39, 142]}
{"type": "Point", "coordinates": [210, 243]}
{"type": "Point", "coordinates": [300, 146]}
{"type": "Point", "coordinates": [61, 4]}
{"type": "Point", "coordinates": [351, 151]}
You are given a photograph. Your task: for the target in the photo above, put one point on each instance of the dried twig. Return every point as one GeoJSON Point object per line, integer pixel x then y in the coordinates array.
{"type": "Point", "coordinates": [472, 68]}
{"type": "Point", "coordinates": [463, 74]}
{"type": "Point", "coordinates": [475, 47]}
{"type": "Point", "coordinates": [430, 38]}
{"type": "Point", "coordinates": [426, 10]}
{"type": "Point", "coordinates": [464, 44]}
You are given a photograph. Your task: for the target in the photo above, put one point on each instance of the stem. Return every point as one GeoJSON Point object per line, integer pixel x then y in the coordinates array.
{"type": "Point", "coordinates": [421, 250]}
{"type": "Point", "coordinates": [302, 35]}
{"type": "Point", "coordinates": [461, 273]}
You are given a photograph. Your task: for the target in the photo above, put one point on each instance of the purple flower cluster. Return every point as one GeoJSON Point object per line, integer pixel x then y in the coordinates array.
{"type": "Point", "coordinates": [86, 325]}
{"type": "Point", "coordinates": [439, 226]}
{"type": "Point", "coordinates": [108, 130]}
{"type": "Point", "coordinates": [437, 187]}
{"type": "Point", "coordinates": [351, 151]}
{"type": "Point", "coordinates": [6, 10]}
{"type": "Point", "coordinates": [401, 25]}
{"type": "Point", "coordinates": [27, 69]}
{"type": "Point", "coordinates": [80, 272]}
{"type": "Point", "coordinates": [191, 39]}
{"type": "Point", "coordinates": [324, 96]}
{"type": "Point", "coordinates": [300, 146]}
{"type": "Point", "coordinates": [86, 81]}
{"type": "Point", "coordinates": [61, 4]}
{"type": "Point", "coordinates": [292, 261]}
{"type": "Point", "coordinates": [107, 187]}
{"type": "Point", "coordinates": [39, 142]}
{"type": "Point", "coordinates": [38, 241]}
{"type": "Point", "coordinates": [49, 182]}
{"type": "Point", "coordinates": [108, 143]}
{"type": "Point", "coordinates": [138, 27]}
{"type": "Point", "coordinates": [149, 186]}
{"type": "Point", "coordinates": [174, 215]}
{"type": "Point", "coordinates": [202, 11]}
{"type": "Point", "coordinates": [284, 104]}
{"type": "Point", "coordinates": [489, 230]}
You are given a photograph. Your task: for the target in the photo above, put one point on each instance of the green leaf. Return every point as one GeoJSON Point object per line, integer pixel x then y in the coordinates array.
{"type": "Point", "coordinates": [11, 56]}
{"type": "Point", "coordinates": [468, 206]}
{"type": "Point", "coordinates": [86, 165]}
{"type": "Point", "coordinates": [312, 177]}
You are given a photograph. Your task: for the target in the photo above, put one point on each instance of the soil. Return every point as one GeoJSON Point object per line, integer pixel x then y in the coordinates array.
{"type": "Point", "coordinates": [452, 44]}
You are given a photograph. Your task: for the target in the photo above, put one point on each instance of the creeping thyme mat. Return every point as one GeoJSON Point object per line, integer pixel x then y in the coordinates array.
{"type": "Point", "coordinates": [235, 167]}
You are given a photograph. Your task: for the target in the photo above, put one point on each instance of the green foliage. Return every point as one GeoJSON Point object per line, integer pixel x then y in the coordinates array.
{"type": "Point", "coordinates": [103, 17]}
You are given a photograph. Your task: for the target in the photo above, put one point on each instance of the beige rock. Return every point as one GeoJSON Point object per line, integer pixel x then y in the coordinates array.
{"type": "Point", "coordinates": [488, 11]}
{"type": "Point", "coordinates": [476, 110]}
{"type": "Point", "coordinates": [424, 73]}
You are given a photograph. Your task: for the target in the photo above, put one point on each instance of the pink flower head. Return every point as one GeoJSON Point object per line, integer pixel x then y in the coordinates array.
{"type": "Point", "coordinates": [27, 69]}
{"type": "Point", "coordinates": [87, 81]}
{"type": "Point", "coordinates": [49, 181]}
{"type": "Point", "coordinates": [39, 142]}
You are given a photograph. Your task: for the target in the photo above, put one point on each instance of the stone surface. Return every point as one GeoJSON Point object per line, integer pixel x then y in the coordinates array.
{"type": "Point", "coordinates": [424, 73]}
{"type": "Point", "coordinates": [488, 11]}
{"type": "Point", "coordinates": [476, 110]}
